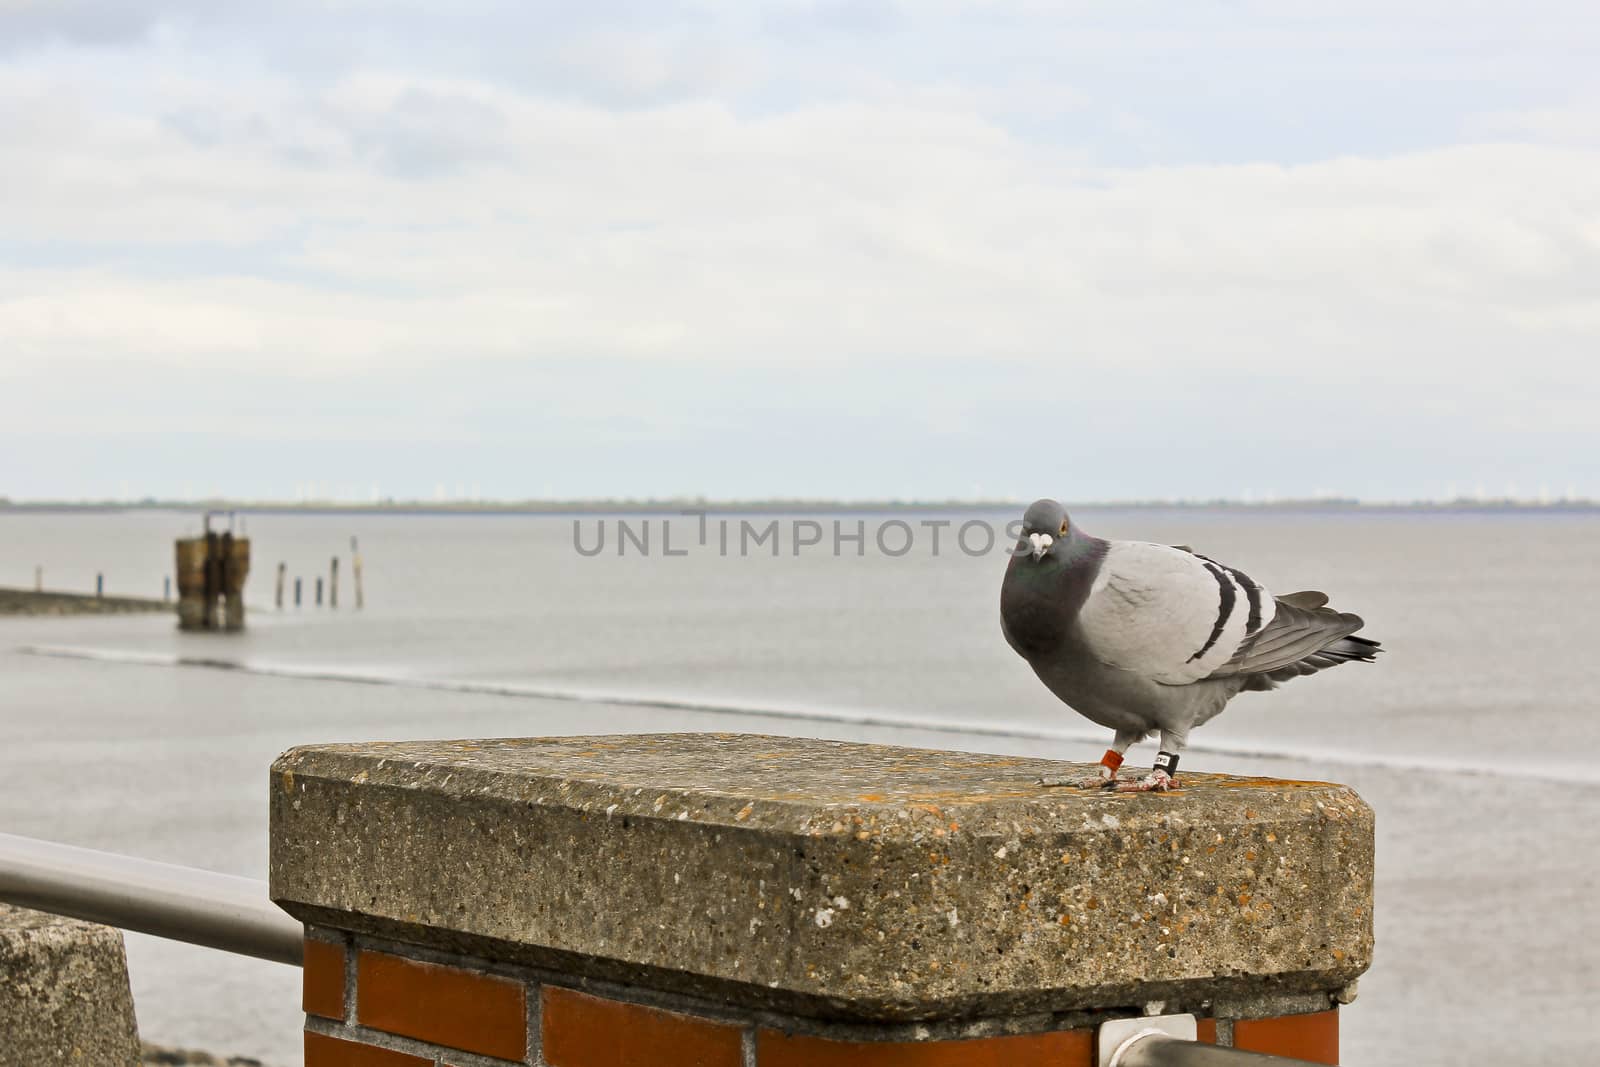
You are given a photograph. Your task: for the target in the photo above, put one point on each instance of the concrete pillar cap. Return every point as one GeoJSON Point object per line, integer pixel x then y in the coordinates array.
{"type": "Point", "coordinates": [829, 879]}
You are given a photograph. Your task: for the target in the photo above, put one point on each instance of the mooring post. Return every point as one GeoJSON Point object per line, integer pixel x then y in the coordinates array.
{"type": "Point", "coordinates": [750, 901]}
{"type": "Point", "coordinates": [297, 592]}
{"type": "Point", "coordinates": [333, 583]}
{"type": "Point", "coordinates": [235, 566]}
{"type": "Point", "coordinates": [278, 595]}
{"type": "Point", "coordinates": [190, 568]}
{"type": "Point", "coordinates": [213, 576]}
{"type": "Point", "coordinates": [319, 590]}
{"type": "Point", "coordinates": [355, 573]}
{"type": "Point", "coordinates": [166, 588]}
{"type": "Point", "coordinates": [99, 585]}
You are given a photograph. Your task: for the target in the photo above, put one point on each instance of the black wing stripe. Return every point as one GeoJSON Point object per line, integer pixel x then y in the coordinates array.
{"type": "Point", "coordinates": [1251, 590]}
{"type": "Point", "coordinates": [1225, 600]}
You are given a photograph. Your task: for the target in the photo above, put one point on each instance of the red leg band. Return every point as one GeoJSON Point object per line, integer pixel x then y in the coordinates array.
{"type": "Point", "coordinates": [1111, 760]}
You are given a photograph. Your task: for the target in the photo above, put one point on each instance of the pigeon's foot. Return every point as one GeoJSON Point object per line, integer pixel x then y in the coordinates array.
{"type": "Point", "coordinates": [1097, 781]}
{"type": "Point", "coordinates": [1154, 782]}
{"type": "Point", "coordinates": [1105, 776]}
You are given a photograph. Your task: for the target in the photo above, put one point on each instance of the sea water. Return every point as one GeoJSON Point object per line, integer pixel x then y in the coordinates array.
{"type": "Point", "coordinates": [1466, 737]}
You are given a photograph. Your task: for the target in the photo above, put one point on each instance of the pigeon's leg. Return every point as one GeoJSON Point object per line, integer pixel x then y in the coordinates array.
{"type": "Point", "coordinates": [1106, 777]}
{"type": "Point", "coordinates": [1165, 774]}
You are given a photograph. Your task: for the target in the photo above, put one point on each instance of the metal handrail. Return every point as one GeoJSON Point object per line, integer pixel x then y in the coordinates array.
{"type": "Point", "coordinates": [1169, 1041]}
{"type": "Point", "coordinates": [182, 903]}
{"type": "Point", "coordinates": [1159, 1050]}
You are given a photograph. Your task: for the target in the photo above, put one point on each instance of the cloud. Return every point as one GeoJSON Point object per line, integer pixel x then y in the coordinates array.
{"type": "Point", "coordinates": [408, 217]}
{"type": "Point", "coordinates": [792, 190]}
{"type": "Point", "coordinates": [1570, 124]}
{"type": "Point", "coordinates": [87, 22]}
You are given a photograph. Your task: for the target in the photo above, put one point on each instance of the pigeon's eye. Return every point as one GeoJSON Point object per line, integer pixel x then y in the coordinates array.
{"type": "Point", "coordinates": [1063, 527]}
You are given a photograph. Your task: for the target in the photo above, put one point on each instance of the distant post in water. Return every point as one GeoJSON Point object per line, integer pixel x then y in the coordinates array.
{"type": "Point", "coordinates": [99, 585]}
{"type": "Point", "coordinates": [319, 590]}
{"type": "Point", "coordinates": [297, 592]}
{"type": "Point", "coordinates": [333, 583]}
{"type": "Point", "coordinates": [208, 611]}
{"type": "Point", "coordinates": [166, 588]}
{"type": "Point", "coordinates": [278, 596]}
{"type": "Point", "coordinates": [355, 573]}
{"type": "Point", "coordinates": [211, 571]}
{"type": "Point", "coordinates": [235, 565]}
{"type": "Point", "coordinates": [38, 578]}
{"type": "Point", "coordinates": [191, 572]}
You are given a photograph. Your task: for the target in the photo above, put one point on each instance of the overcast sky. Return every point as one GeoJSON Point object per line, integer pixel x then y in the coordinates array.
{"type": "Point", "coordinates": [845, 249]}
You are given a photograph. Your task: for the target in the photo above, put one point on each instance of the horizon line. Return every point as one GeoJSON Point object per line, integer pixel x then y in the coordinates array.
{"type": "Point", "coordinates": [692, 504]}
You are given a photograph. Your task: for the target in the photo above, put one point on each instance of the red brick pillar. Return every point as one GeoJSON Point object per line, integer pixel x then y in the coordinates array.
{"type": "Point", "coordinates": [736, 901]}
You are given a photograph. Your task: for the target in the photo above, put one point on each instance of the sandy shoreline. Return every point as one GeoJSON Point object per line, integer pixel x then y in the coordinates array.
{"type": "Point", "coordinates": [28, 602]}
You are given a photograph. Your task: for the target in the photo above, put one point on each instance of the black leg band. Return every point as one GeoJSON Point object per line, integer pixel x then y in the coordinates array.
{"type": "Point", "coordinates": [1168, 762]}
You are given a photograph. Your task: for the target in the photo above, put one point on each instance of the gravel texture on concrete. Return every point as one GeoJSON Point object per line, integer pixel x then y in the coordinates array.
{"type": "Point", "coordinates": [64, 995]}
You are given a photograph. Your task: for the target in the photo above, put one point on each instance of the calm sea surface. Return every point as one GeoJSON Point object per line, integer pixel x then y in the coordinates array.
{"type": "Point", "coordinates": [1467, 737]}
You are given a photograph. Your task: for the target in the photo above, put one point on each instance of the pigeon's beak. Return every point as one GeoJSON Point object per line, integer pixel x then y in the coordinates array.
{"type": "Point", "coordinates": [1041, 543]}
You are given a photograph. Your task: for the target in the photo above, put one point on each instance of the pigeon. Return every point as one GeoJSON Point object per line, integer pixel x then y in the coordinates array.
{"type": "Point", "coordinates": [1143, 638]}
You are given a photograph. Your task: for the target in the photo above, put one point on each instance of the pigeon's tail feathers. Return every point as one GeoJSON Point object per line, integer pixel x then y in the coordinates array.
{"type": "Point", "coordinates": [1304, 637]}
{"type": "Point", "coordinates": [1353, 648]}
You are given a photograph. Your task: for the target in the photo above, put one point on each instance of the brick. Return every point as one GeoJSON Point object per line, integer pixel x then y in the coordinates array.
{"type": "Point", "coordinates": [442, 1005]}
{"type": "Point", "coordinates": [580, 1030]}
{"type": "Point", "coordinates": [322, 979]}
{"type": "Point", "coordinates": [1062, 1048]}
{"type": "Point", "coordinates": [1302, 1037]}
{"type": "Point", "coordinates": [325, 1051]}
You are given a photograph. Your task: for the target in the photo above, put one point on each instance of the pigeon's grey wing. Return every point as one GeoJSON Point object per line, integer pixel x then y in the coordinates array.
{"type": "Point", "coordinates": [1170, 615]}
{"type": "Point", "coordinates": [1301, 628]}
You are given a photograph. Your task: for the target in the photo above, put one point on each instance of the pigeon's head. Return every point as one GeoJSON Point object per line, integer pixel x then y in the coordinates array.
{"type": "Point", "coordinates": [1043, 524]}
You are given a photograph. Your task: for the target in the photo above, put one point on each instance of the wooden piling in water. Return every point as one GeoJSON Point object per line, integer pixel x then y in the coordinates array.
{"type": "Point", "coordinates": [278, 596]}
{"type": "Point", "coordinates": [213, 580]}
{"type": "Point", "coordinates": [211, 572]}
{"type": "Point", "coordinates": [355, 572]}
{"type": "Point", "coordinates": [333, 583]}
{"type": "Point", "coordinates": [191, 572]}
{"type": "Point", "coordinates": [235, 566]}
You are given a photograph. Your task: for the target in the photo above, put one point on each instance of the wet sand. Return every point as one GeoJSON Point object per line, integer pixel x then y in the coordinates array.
{"type": "Point", "coordinates": [29, 602]}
